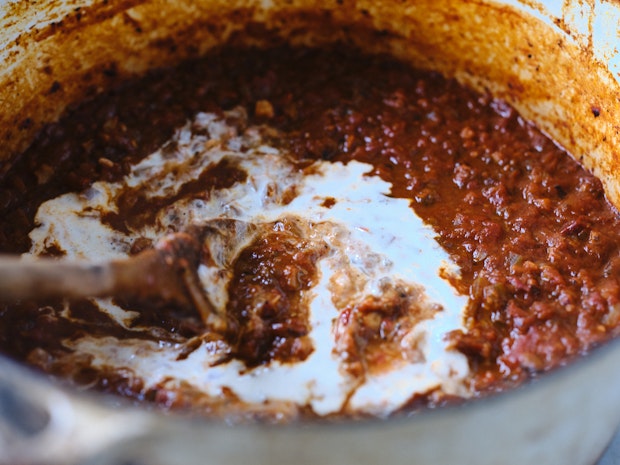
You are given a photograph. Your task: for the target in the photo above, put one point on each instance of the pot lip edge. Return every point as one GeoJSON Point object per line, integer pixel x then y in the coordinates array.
{"type": "Point", "coordinates": [108, 403]}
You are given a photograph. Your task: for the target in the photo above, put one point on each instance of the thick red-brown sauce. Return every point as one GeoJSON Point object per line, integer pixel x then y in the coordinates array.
{"type": "Point", "coordinates": [267, 299]}
{"type": "Point", "coordinates": [369, 334]}
{"type": "Point", "coordinates": [535, 238]}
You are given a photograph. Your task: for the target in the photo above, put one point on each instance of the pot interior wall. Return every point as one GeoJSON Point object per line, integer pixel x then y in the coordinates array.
{"type": "Point", "coordinates": [57, 55]}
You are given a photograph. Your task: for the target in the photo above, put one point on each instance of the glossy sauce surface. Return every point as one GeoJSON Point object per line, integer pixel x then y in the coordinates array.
{"type": "Point", "coordinates": [530, 232]}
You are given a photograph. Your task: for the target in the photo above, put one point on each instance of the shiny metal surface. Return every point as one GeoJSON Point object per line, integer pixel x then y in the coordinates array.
{"type": "Point", "coordinates": [612, 454]}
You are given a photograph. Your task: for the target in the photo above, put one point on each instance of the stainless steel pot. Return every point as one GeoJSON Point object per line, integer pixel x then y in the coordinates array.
{"type": "Point", "coordinates": [556, 62]}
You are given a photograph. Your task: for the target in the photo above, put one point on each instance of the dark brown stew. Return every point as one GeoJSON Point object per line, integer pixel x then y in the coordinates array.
{"type": "Point", "coordinates": [535, 238]}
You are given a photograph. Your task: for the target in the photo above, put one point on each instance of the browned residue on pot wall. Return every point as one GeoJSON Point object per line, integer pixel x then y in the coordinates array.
{"type": "Point", "coordinates": [83, 47]}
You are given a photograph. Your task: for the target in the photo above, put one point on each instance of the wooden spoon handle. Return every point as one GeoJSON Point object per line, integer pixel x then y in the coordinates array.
{"type": "Point", "coordinates": [46, 277]}
{"type": "Point", "coordinates": [165, 274]}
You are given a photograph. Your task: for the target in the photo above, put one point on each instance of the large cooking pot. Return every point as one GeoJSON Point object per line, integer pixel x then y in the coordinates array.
{"type": "Point", "coordinates": [556, 62]}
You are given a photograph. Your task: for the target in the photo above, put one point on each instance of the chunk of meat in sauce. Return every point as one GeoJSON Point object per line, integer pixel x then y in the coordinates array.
{"type": "Point", "coordinates": [267, 295]}
{"type": "Point", "coordinates": [375, 334]}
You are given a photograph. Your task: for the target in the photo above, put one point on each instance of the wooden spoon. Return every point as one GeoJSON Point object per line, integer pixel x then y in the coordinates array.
{"type": "Point", "coordinates": [168, 272]}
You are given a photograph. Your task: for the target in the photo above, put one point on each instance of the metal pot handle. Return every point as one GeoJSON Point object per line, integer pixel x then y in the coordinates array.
{"type": "Point", "coordinates": [41, 423]}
